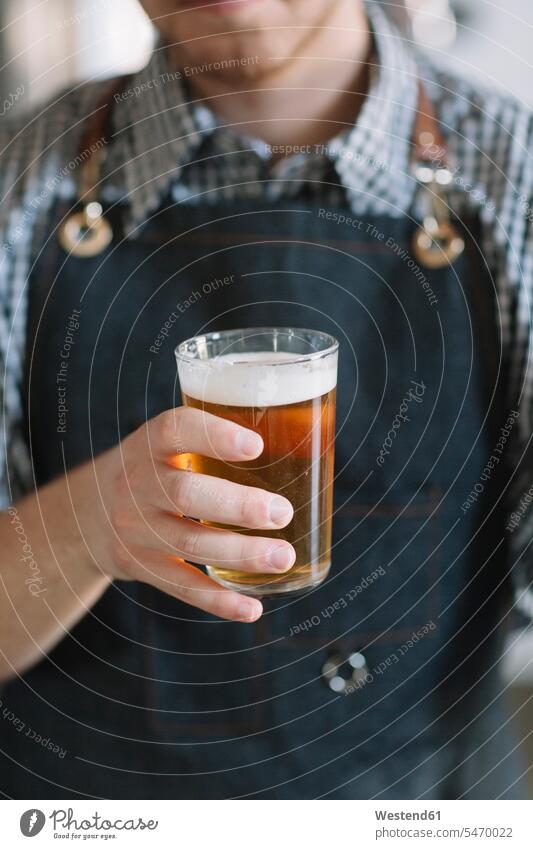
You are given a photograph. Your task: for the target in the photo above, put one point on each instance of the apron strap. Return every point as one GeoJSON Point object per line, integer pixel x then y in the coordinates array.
{"type": "Point", "coordinates": [428, 142]}
{"type": "Point", "coordinates": [96, 137]}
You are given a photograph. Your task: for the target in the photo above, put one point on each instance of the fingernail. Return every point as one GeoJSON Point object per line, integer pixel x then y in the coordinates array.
{"type": "Point", "coordinates": [249, 611]}
{"type": "Point", "coordinates": [280, 511]}
{"type": "Point", "coordinates": [249, 443]}
{"type": "Point", "coordinates": [281, 557]}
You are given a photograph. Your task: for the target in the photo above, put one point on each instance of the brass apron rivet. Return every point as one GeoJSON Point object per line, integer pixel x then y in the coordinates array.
{"type": "Point", "coordinates": [86, 233]}
{"type": "Point", "coordinates": [437, 245]}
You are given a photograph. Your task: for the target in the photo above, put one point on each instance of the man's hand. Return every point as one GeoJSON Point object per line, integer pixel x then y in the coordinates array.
{"type": "Point", "coordinates": [131, 514]}
{"type": "Point", "coordinates": [152, 509]}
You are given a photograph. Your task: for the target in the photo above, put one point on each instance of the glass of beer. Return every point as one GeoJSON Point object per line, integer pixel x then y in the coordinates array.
{"type": "Point", "coordinates": [281, 383]}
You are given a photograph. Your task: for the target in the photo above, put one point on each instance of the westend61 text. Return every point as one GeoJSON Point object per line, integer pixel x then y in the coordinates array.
{"type": "Point", "coordinates": [407, 815]}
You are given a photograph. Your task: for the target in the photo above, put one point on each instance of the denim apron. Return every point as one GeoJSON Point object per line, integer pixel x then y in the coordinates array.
{"type": "Point", "coordinates": [383, 681]}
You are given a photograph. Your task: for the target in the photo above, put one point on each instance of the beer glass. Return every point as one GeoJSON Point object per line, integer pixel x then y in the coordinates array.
{"type": "Point", "coordinates": [281, 383]}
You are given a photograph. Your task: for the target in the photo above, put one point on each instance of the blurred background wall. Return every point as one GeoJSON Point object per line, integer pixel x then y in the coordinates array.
{"type": "Point", "coordinates": [47, 44]}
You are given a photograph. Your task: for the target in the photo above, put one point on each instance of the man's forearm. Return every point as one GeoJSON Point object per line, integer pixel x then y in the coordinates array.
{"type": "Point", "coordinates": [49, 574]}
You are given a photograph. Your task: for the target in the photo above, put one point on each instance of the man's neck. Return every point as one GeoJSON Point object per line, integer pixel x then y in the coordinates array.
{"type": "Point", "coordinates": [304, 96]}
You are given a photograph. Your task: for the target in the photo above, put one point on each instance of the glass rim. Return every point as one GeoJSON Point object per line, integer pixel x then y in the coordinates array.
{"type": "Point", "coordinates": [181, 354]}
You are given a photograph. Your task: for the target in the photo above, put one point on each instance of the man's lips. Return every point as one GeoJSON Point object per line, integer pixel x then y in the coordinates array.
{"type": "Point", "coordinates": [219, 6]}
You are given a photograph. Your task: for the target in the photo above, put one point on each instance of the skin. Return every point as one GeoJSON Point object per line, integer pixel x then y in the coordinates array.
{"type": "Point", "coordinates": [123, 515]}
{"type": "Point", "coordinates": [305, 73]}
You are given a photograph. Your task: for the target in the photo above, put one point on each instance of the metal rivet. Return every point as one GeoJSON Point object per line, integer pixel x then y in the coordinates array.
{"type": "Point", "coordinates": [331, 671]}
{"type": "Point", "coordinates": [424, 174]}
{"type": "Point", "coordinates": [443, 177]}
{"type": "Point", "coordinates": [357, 660]}
{"type": "Point", "coordinates": [337, 684]}
{"type": "Point", "coordinates": [94, 210]}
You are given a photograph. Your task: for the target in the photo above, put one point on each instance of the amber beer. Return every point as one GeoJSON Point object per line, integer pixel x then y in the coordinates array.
{"type": "Point", "coordinates": [281, 384]}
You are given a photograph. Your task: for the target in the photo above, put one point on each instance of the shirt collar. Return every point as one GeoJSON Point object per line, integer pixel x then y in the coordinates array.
{"type": "Point", "coordinates": [159, 129]}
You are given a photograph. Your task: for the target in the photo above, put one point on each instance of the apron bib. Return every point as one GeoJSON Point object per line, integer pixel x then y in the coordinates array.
{"type": "Point", "coordinates": [150, 698]}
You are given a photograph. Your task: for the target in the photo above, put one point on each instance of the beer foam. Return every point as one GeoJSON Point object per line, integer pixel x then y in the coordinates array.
{"type": "Point", "coordinates": [257, 379]}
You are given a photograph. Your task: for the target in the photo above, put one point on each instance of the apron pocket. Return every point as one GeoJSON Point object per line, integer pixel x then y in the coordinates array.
{"type": "Point", "coordinates": [384, 579]}
{"type": "Point", "coordinates": [379, 607]}
{"type": "Point", "coordinates": [202, 675]}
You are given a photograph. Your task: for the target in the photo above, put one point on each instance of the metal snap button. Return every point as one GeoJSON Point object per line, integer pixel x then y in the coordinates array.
{"type": "Point", "coordinates": [341, 674]}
